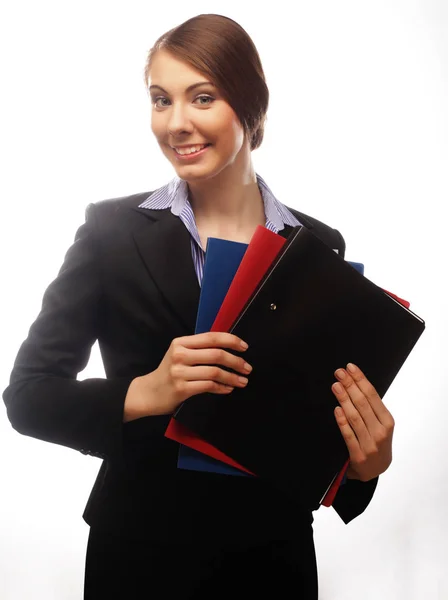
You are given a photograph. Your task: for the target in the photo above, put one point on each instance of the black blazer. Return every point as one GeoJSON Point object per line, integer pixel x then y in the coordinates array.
{"type": "Point", "coordinates": [128, 281]}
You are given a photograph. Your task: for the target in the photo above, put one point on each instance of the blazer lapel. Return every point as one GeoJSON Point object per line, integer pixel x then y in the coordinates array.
{"type": "Point", "coordinates": [164, 245]}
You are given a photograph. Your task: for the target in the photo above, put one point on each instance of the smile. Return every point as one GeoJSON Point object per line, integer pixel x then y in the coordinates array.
{"type": "Point", "coordinates": [191, 151]}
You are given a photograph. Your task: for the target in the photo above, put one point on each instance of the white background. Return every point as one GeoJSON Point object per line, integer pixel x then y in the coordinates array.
{"type": "Point", "coordinates": [356, 136]}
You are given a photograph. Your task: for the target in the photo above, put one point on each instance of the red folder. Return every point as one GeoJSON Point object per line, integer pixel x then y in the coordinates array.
{"type": "Point", "coordinates": [260, 254]}
{"type": "Point", "coordinates": [333, 489]}
{"type": "Point", "coordinates": [398, 299]}
{"type": "Point", "coordinates": [179, 433]}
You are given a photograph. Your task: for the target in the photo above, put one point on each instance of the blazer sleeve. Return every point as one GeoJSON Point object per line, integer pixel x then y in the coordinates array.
{"type": "Point", "coordinates": [354, 496]}
{"type": "Point", "coordinates": [44, 399]}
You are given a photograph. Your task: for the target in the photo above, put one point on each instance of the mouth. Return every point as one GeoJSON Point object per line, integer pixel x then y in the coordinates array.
{"type": "Point", "coordinates": [189, 152]}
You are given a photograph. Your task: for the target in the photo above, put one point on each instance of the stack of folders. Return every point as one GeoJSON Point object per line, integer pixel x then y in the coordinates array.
{"type": "Point", "coordinates": [305, 312]}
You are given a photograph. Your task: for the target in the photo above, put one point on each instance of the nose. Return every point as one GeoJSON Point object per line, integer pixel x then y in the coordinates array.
{"type": "Point", "coordinates": [178, 122]}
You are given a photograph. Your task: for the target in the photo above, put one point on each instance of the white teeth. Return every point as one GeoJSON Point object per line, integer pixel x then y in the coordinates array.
{"type": "Point", "coordinates": [191, 150]}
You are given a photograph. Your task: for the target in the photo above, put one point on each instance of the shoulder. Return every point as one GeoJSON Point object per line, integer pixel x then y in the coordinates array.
{"type": "Point", "coordinates": [110, 221]}
{"type": "Point", "coordinates": [110, 207]}
{"type": "Point", "coordinates": [331, 236]}
{"type": "Point", "coordinates": [118, 212]}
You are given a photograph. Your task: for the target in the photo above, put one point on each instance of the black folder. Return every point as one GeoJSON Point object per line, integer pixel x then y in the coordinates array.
{"type": "Point", "coordinates": [311, 314]}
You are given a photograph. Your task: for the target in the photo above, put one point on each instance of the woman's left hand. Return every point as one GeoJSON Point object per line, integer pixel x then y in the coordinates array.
{"type": "Point", "coordinates": [365, 423]}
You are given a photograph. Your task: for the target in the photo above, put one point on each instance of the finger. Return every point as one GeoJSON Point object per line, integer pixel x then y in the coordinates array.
{"type": "Point", "coordinates": [205, 373]}
{"type": "Point", "coordinates": [352, 415]}
{"type": "Point", "coordinates": [358, 399]}
{"type": "Point", "coordinates": [212, 356]}
{"type": "Point", "coordinates": [213, 339]}
{"type": "Point", "coordinates": [192, 388]}
{"type": "Point", "coordinates": [375, 401]}
{"type": "Point", "coordinates": [351, 441]}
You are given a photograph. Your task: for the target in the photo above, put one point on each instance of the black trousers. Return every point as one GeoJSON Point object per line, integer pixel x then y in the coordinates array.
{"type": "Point", "coordinates": [117, 567]}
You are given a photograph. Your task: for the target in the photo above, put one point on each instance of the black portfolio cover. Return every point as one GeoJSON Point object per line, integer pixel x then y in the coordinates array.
{"type": "Point", "coordinates": [311, 314]}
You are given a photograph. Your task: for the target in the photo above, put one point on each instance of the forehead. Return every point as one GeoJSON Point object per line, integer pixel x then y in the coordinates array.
{"type": "Point", "coordinates": [172, 74]}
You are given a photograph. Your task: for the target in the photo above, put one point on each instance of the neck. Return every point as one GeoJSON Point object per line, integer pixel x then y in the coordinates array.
{"type": "Point", "coordinates": [230, 199]}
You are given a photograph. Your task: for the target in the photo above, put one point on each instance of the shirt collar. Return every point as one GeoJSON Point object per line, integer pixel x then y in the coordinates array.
{"type": "Point", "coordinates": [174, 195]}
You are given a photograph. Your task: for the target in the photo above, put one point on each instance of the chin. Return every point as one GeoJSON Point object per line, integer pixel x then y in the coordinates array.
{"type": "Point", "coordinates": [196, 174]}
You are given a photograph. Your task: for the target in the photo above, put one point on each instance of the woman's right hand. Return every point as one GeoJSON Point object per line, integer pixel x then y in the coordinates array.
{"type": "Point", "coordinates": [192, 365]}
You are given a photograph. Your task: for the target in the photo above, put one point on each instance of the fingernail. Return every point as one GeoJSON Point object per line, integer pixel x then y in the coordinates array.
{"type": "Point", "coordinates": [243, 380]}
{"type": "Point", "coordinates": [338, 388]}
{"type": "Point", "coordinates": [247, 367]}
{"type": "Point", "coordinates": [340, 374]}
{"type": "Point", "coordinates": [351, 367]}
{"type": "Point", "coordinates": [244, 345]}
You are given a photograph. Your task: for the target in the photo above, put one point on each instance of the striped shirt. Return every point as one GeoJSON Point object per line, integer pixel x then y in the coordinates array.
{"type": "Point", "coordinates": [174, 195]}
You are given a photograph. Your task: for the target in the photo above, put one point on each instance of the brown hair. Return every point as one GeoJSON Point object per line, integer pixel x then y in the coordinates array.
{"type": "Point", "coordinates": [222, 50]}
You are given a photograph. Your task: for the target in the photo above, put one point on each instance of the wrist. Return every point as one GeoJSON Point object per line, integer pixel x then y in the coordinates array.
{"type": "Point", "coordinates": [139, 400]}
{"type": "Point", "coordinates": [351, 474]}
{"type": "Point", "coordinates": [132, 405]}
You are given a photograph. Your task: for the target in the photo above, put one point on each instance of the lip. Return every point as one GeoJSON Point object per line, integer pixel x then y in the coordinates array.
{"type": "Point", "coordinates": [188, 157]}
{"type": "Point", "coordinates": [189, 145]}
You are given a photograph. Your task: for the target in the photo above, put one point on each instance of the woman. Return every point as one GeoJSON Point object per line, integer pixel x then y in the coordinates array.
{"type": "Point", "coordinates": [131, 280]}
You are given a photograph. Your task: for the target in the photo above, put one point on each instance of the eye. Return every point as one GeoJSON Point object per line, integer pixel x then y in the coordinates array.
{"type": "Point", "coordinates": [160, 102]}
{"type": "Point", "coordinates": [204, 99]}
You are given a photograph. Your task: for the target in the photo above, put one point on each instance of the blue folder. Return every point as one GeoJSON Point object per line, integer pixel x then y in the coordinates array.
{"type": "Point", "coordinates": [358, 266]}
{"type": "Point", "coordinates": [222, 259]}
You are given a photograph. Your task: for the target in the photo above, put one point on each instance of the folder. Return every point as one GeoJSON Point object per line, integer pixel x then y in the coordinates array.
{"type": "Point", "coordinates": [222, 260]}
{"type": "Point", "coordinates": [195, 453]}
{"type": "Point", "coordinates": [311, 314]}
{"type": "Point", "coordinates": [330, 494]}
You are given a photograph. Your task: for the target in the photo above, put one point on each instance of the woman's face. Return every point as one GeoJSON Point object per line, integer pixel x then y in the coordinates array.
{"type": "Point", "coordinates": [196, 128]}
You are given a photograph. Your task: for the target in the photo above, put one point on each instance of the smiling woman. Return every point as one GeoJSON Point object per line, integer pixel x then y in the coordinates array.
{"type": "Point", "coordinates": [207, 102]}
{"type": "Point", "coordinates": [156, 530]}
{"type": "Point", "coordinates": [220, 52]}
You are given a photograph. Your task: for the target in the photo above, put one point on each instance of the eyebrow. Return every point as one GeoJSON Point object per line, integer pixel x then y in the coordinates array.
{"type": "Point", "coordinates": [190, 88]}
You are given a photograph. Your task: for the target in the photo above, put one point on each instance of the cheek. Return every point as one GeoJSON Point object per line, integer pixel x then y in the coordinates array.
{"type": "Point", "coordinates": [234, 128]}
{"type": "Point", "coordinates": [230, 133]}
{"type": "Point", "coordinates": [156, 127]}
